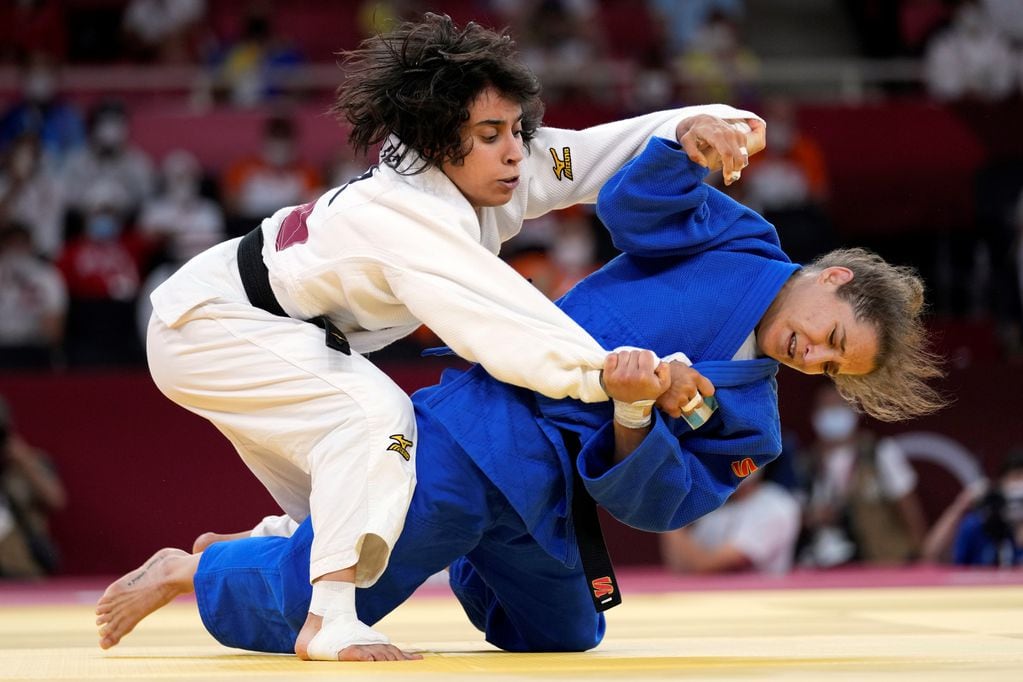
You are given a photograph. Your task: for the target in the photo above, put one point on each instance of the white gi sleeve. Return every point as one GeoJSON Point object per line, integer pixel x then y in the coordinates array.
{"type": "Point", "coordinates": [568, 167]}
{"type": "Point", "coordinates": [487, 313]}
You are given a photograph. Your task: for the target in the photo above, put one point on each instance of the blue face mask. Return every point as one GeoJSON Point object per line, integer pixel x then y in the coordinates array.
{"type": "Point", "coordinates": [103, 227]}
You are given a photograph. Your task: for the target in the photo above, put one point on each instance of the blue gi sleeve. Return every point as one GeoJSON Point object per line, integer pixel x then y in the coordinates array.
{"type": "Point", "coordinates": [676, 475]}
{"type": "Point", "coordinates": [658, 205]}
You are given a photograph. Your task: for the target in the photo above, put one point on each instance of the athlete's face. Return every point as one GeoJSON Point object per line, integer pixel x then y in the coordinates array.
{"type": "Point", "coordinates": [810, 328]}
{"type": "Point", "coordinates": [489, 173]}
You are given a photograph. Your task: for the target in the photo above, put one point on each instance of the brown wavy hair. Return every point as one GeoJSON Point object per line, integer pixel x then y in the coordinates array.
{"type": "Point", "coordinates": [891, 299]}
{"type": "Point", "coordinates": [418, 82]}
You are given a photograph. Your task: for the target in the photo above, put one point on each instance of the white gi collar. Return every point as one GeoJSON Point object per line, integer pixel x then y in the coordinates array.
{"type": "Point", "coordinates": [431, 180]}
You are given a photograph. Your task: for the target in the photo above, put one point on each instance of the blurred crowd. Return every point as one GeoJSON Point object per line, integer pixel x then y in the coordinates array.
{"type": "Point", "coordinates": [91, 221]}
{"type": "Point", "coordinates": [851, 498]}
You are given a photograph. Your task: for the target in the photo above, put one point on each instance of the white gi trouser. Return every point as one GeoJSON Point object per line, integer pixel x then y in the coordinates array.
{"type": "Point", "coordinates": [327, 434]}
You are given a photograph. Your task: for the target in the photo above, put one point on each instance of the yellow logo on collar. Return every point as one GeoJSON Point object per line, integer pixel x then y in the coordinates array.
{"type": "Point", "coordinates": [562, 167]}
{"type": "Point", "coordinates": [400, 445]}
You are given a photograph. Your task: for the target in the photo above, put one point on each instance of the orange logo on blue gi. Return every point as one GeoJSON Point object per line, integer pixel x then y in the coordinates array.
{"type": "Point", "coordinates": [602, 587]}
{"type": "Point", "coordinates": [744, 468]}
{"type": "Point", "coordinates": [400, 445]}
{"type": "Point", "coordinates": [562, 167]}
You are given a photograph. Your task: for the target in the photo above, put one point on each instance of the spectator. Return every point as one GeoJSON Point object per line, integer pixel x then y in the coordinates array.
{"type": "Point", "coordinates": [29, 492]}
{"type": "Point", "coordinates": [256, 186]}
{"type": "Point", "coordinates": [971, 59]}
{"type": "Point", "coordinates": [179, 223]}
{"type": "Point", "coordinates": [250, 71]}
{"type": "Point", "coordinates": [755, 530]}
{"type": "Point", "coordinates": [109, 158]}
{"type": "Point", "coordinates": [40, 111]}
{"type": "Point", "coordinates": [788, 184]}
{"type": "Point", "coordinates": [163, 30]}
{"type": "Point", "coordinates": [561, 39]}
{"type": "Point", "coordinates": [862, 502]}
{"type": "Point", "coordinates": [32, 196]}
{"type": "Point", "coordinates": [716, 67]}
{"type": "Point", "coordinates": [683, 21]}
{"type": "Point", "coordinates": [102, 269]}
{"type": "Point", "coordinates": [983, 527]}
{"type": "Point", "coordinates": [33, 304]}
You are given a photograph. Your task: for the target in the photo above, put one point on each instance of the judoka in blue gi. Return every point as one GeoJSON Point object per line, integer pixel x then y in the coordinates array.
{"type": "Point", "coordinates": [701, 274]}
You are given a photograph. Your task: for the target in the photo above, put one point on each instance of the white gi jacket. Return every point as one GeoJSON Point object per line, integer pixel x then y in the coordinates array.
{"type": "Point", "coordinates": [389, 252]}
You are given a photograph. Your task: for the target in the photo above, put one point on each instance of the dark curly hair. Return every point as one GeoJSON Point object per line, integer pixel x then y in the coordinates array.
{"type": "Point", "coordinates": [418, 81]}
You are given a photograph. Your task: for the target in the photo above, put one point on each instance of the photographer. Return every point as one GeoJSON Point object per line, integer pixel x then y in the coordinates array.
{"type": "Point", "coordinates": [29, 492]}
{"type": "Point", "coordinates": [984, 526]}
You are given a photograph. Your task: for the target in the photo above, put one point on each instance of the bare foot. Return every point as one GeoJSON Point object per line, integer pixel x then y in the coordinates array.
{"type": "Point", "coordinates": [207, 539]}
{"type": "Point", "coordinates": [134, 596]}
{"type": "Point", "coordinates": [356, 652]}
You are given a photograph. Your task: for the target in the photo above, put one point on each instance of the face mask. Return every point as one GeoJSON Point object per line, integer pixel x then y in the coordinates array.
{"type": "Point", "coordinates": [277, 152]}
{"type": "Point", "coordinates": [103, 227]}
{"type": "Point", "coordinates": [182, 190]}
{"type": "Point", "coordinates": [40, 87]}
{"type": "Point", "coordinates": [782, 136]}
{"type": "Point", "coordinates": [1013, 494]}
{"type": "Point", "coordinates": [111, 133]}
{"type": "Point", "coordinates": [834, 423]}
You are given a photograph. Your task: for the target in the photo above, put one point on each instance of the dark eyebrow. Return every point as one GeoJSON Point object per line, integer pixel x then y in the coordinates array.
{"type": "Point", "coordinates": [496, 121]}
{"type": "Point", "coordinates": [842, 344]}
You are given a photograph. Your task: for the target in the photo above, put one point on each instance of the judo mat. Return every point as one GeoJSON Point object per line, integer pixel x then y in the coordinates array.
{"type": "Point", "coordinates": [928, 624]}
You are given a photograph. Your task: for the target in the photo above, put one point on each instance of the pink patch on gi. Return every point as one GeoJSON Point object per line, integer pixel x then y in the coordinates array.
{"type": "Point", "coordinates": [294, 229]}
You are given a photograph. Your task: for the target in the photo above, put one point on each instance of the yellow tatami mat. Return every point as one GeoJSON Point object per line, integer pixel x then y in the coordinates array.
{"type": "Point", "coordinates": [929, 633]}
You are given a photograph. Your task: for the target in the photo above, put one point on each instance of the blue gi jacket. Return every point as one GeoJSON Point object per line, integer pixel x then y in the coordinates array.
{"type": "Point", "coordinates": [697, 273]}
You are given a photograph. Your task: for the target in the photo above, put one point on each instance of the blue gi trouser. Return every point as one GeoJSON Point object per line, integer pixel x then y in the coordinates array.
{"type": "Point", "coordinates": [254, 593]}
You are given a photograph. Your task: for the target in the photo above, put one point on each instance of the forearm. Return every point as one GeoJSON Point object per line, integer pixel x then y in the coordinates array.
{"type": "Point", "coordinates": [939, 540]}
{"type": "Point", "coordinates": [913, 517]}
{"type": "Point", "coordinates": [46, 487]}
{"type": "Point", "coordinates": [627, 440]}
{"type": "Point", "coordinates": [597, 153]}
{"type": "Point", "coordinates": [487, 313]}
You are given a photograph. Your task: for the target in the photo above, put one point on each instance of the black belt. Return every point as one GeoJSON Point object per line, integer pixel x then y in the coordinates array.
{"type": "Point", "coordinates": [256, 280]}
{"type": "Point", "coordinates": [600, 573]}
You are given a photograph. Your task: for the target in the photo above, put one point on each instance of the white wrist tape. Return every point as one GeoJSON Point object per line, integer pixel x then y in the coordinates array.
{"type": "Point", "coordinates": [635, 415]}
{"type": "Point", "coordinates": [335, 602]}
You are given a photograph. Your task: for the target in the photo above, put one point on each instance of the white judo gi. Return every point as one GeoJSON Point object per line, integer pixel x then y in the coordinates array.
{"type": "Point", "coordinates": [330, 434]}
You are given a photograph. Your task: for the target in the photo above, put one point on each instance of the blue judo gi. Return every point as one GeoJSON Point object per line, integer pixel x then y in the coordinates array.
{"type": "Point", "coordinates": [494, 490]}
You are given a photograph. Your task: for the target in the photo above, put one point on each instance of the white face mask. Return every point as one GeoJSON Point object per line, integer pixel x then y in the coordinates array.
{"type": "Point", "coordinates": [40, 86]}
{"type": "Point", "coordinates": [834, 423]}
{"type": "Point", "coordinates": [182, 189]}
{"type": "Point", "coordinates": [111, 133]}
{"type": "Point", "coordinates": [1013, 494]}
{"type": "Point", "coordinates": [278, 152]}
